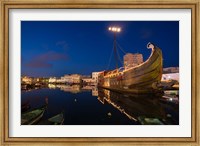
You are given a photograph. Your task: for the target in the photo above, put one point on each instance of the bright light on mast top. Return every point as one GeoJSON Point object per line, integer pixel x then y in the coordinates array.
{"type": "Point", "coordinates": [114, 29]}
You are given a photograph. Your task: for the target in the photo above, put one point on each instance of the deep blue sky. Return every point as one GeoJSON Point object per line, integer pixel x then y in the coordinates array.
{"type": "Point", "coordinates": [55, 48]}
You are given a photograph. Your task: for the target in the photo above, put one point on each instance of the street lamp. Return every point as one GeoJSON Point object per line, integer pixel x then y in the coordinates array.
{"type": "Point", "coordinates": [115, 30]}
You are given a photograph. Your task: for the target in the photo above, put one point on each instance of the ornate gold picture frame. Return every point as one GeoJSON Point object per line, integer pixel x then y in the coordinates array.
{"type": "Point", "coordinates": [6, 5]}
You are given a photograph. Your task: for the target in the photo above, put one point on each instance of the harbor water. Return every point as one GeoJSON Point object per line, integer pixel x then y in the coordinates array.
{"type": "Point", "coordinates": [89, 105]}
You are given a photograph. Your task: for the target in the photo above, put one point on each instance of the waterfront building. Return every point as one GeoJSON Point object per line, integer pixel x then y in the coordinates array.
{"type": "Point", "coordinates": [67, 79]}
{"type": "Point", "coordinates": [52, 80]}
{"type": "Point", "coordinates": [73, 78]}
{"type": "Point", "coordinates": [76, 78]}
{"type": "Point", "coordinates": [95, 78]}
{"type": "Point", "coordinates": [170, 76]}
{"type": "Point", "coordinates": [59, 80]}
{"type": "Point", "coordinates": [171, 70]}
{"type": "Point", "coordinates": [36, 80]}
{"type": "Point", "coordinates": [131, 60]}
{"type": "Point", "coordinates": [26, 80]}
{"type": "Point", "coordinates": [43, 80]}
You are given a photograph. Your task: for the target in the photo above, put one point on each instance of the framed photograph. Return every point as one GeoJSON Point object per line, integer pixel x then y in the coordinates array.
{"type": "Point", "coordinates": [105, 72]}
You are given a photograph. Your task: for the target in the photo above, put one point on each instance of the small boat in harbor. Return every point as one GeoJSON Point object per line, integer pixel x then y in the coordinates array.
{"type": "Point", "coordinates": [170, 99]}
{"type": "Point", "coordinates": [141, 79]}
{"type": "Point", "coordinates": [55, 120]}
{"type": "Point", "coordinates": [149, 121]}
{"type": "Point", "coordinates": [171, 92]}
{"type": "Point", "coordinates": [167, 85]}
{"type": "Point", "coordinates": [176, 86]}
{"type": "Point", "coordinates": [33, 116]}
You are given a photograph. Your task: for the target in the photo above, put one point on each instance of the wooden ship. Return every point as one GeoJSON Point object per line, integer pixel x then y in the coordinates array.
{"type": "Point", "coordinates": [139, 79]}
{"type": "Point", "coordinates": [142, 78]}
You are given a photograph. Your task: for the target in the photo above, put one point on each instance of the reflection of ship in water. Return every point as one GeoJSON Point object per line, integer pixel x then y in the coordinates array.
{"type": "Point", "coordinates": [140, 108]}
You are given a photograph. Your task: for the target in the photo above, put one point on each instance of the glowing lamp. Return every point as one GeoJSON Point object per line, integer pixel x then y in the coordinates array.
{"type": "Point", "coordinates": [114, 29]}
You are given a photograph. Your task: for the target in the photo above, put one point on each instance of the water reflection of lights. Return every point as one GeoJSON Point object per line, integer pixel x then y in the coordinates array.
{"type": "Point", "coordinates": [122, 111]}
{"type": "Point", "coordinates": [104, 98]}
{"type": "Point", "coordinates": [129, 116]}
{"type": "Point", "coordinates": [109, 114]}
{"type": "Point", "coordinates": [52, 86]}
{"type": "Point", "coordinates": [94, 91]}
{"type": "Point", "coordinates": [135, 106]}
{"type": "Point", "coordinates": [68, 88]}
{"type": "Point", "coordinates": [101, 100]}
{"type": "Point", "coordinates": [74, 88]}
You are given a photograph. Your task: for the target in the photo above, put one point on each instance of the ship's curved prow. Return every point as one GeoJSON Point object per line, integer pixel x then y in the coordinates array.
{"type": "Point", "coordinates": [150, 46]}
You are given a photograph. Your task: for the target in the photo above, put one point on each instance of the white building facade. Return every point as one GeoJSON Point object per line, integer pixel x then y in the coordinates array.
{"type": "Point", "coordinates": [74, 78]}
{"type": "Point", "coordinates": [95, 77]}
{"type": "Point", "coordinates": [171, 70]}
{"type": "Point", "coordinates": [170, 76]}
{"type": "Point", "coordinates": [52, 80]}
{"type": "Point", "coordinates": [27, 80]}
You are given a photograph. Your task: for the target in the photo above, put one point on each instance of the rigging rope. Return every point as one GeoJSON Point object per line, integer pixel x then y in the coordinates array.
{"type": "Point", "coordinates": [110, 58]}
{"type": "Point", "coordinates": [120, 48]}
{"type": "Point", "coordinates": [119, 57]}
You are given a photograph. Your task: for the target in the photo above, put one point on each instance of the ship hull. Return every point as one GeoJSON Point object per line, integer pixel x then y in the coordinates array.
{"type": "Point", "coordinates": [140, 79]}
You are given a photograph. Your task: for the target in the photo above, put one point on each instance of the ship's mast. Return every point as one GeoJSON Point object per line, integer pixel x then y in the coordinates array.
{"type": "Point", "coordinates": [115, 50]}
{"type": "Point", "coordinates": [115, 30]}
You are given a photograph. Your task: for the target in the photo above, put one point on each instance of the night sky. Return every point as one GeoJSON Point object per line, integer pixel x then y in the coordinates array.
{"type": "Point", "coordinates": [56, 48]}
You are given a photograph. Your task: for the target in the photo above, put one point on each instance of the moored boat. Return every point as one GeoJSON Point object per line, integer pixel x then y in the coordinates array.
{"type": "Point", "coordinates": [149, 121]}
{"type": "Point", "coordinates": [55, 120]}
{"type": "Point", "coordinates": [171, 92]}
{"type": "Point", "coordinates": [170, 98]}
{"type": "Point", "coordinates": [176, 86]}
{"type": "Point", "coordinates": [142, 78]}
{"type": "Point", "coordinates": [33, 116]}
